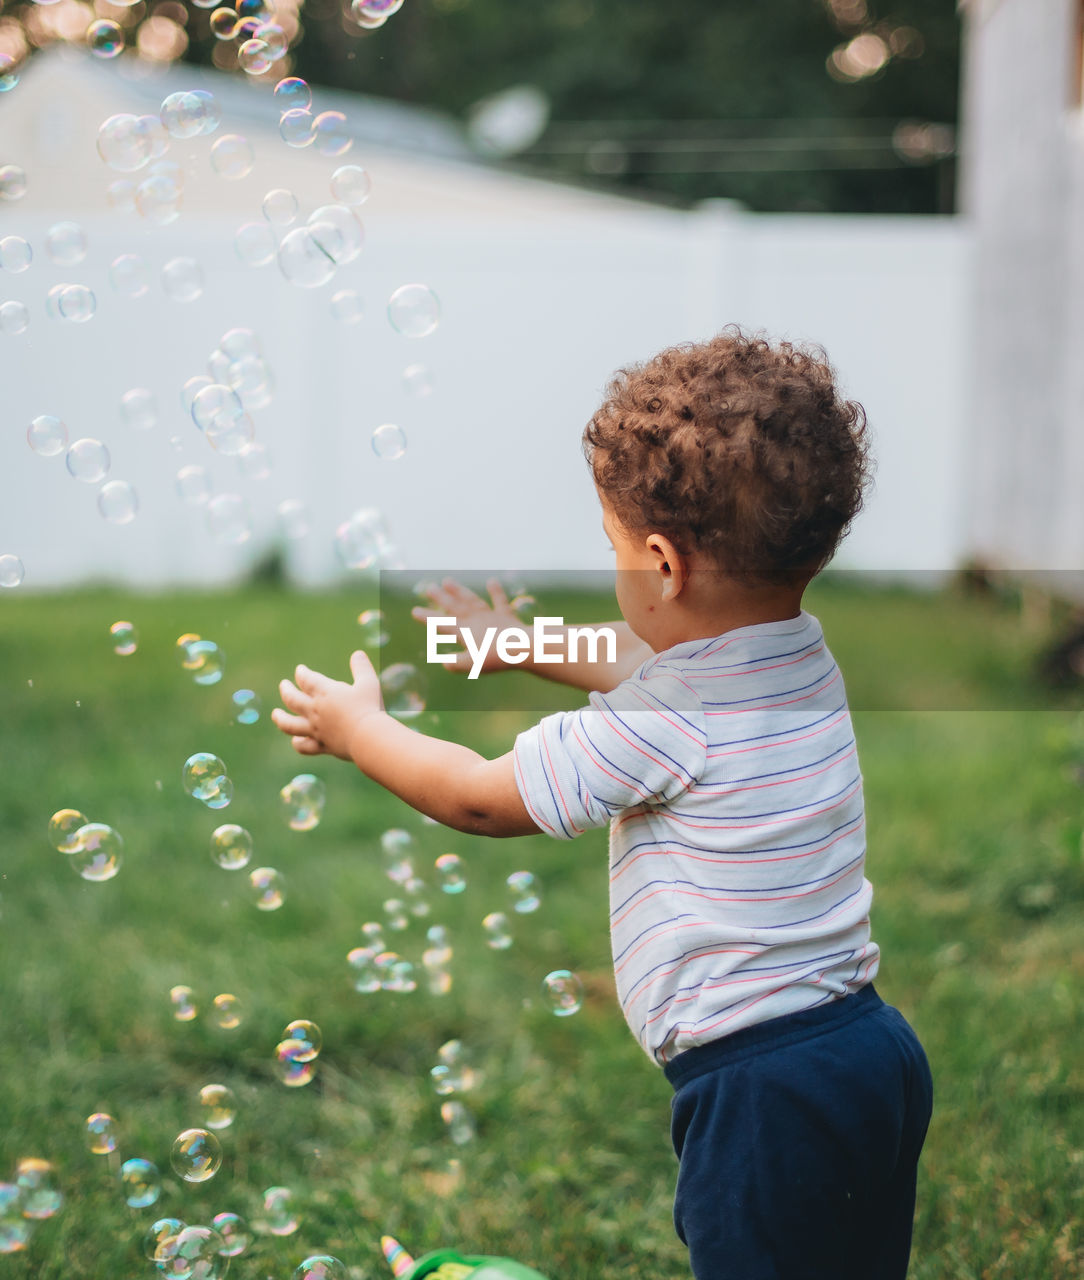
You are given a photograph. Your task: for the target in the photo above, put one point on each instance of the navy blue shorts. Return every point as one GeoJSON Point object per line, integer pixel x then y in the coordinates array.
{"type": "Point", "coordinates": [798, 1141]}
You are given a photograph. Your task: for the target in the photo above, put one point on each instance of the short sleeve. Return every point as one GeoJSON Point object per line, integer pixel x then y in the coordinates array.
{"type": "Point", "coordinates": [642, 743]}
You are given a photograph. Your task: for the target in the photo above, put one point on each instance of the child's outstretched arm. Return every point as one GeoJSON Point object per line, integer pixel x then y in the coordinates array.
{"type": "Point", "coordinates": [471, 613]}
{"type": "Point", "coordinates": [444, 780]}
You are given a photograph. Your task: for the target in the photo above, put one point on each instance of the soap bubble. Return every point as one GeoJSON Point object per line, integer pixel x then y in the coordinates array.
{"type": "Point", "coordinates": [233, 437]}
{"type": "Point", "coordinates": [206, 662]}
{"type": "Point", "coordinates": [254, 57]}
{"type": "Point", "coordinates": [203, 775]}
{"type": "Point", "coordinates": [64, 828]}
{"type": "Point", "coordinates": [366, 975]}
{"type": "Point", "coordinates": [182, 280]}
{"type": "Point", "coordinates": [274, 37]}
{"type": "Point", "coordinates": [11, 570]}
{"type": "Point", "coordinates": [346, 306]}
{"type": "Point", "coordinates": [184, 1004]}
{"type": "Point", "coordinates": [118, 502]}
{"type": "Point", "coordinates": [321, 1266]}
{"type": "Point", "coordinates": [439, 944]}
{"type": "Point", "coordinates": [215, 407]}
{"type": "Point", "coordinates": [218, 1107]}
{"type": "Point", "coordinates": [192, 387]}
{"type": "Point", "coordinates": [15, 1231]}
{"type": "Point", "coordinates": [124, 143]}
{"type": "Point", "coordinates": [183, 114]}
{"type": "Point", "coordinates": [351, 184]}
{"type": "Point", "coordinates": [224, 24]}
{"type": "Point", "coordinates": [331, 134]}
{"type": "Point", "coordinates": [66, 244]}
{"type": "Point", "coordinates": [140, 1182]}
{"type": "Point", "coordinates": [279, 207]}
{"type": "Point", "coordinates": [564, 992]}
{"type": "Point", "coordinates": [380, 8]}
{"type": "Point", "coordinates": [226, 1012]}
{"type": "Point", "coordinates": [229, 519]}
{"type": "Point", "coordinates": [196, 1155]}
{"type": "Point", "coordinates": [158, 1233]}
{"type": "Point", "coordinates": [460, 1075]}
{"type": "Point", "coordinates": [395, 910]}
{"type": "Point", "coordinates": [39, 1196]}
{"type": "Point", "coordinates": [128, 274]}
{"type": "Point", "coordinates": [398, 847]}
{"type": "Point", "coordinates": [235, 1234]}
{"type": "Point", "coordinates": [268, 888]}
{"type": "Point", "coordinates": [438, 979]}
{"type": "Point", "coordinates": [9, 73]}
{"type": "Point", "coordinates": [157, 137]}
{"type": "Point", "coordinates": [304, 257]}
{"type": "Point", "coordinates": [193, 485]}
{"type": "Point", "coordinates": [14, 317]}
{"type": "Point", "coordinates": [363, 20]}
{"type": "Point", "coordinates": [308, 1034]}
{"type": "Point", "coordinates": [231, 847]}
{"type": "Point", "coordinates": [374, 634]}
{"type": "Point", "coordinates": [524, 890]}
{"type": "Point", "coordinates": [120, 195]}
{"type": "Point", "coordinates": [293, 517]}
{"type": "Point", "coordinates": [88, 460]}
{"type": "Point", "coordinates": [15, 254]}
{"type": "Point", "coordinates": [139, 408]}
{"type": "Point", "coordinates": [496, 928]}
{"type": "Point", "coordinates": [47, 435]}
{"type": "Point", "coordinates": [194, 1253]}
{"type": "Point", "coordinates": [255, 244]}
{"type": "Point", "coordinates": [296, 127]}
{"type": "Point", "coordinates": [12, 182]}
{"type": "Point", "coordinates": [101, 1133]}
{"type": "Point", "coordinates": [450, 873]}
{"type": "Point", "coordinates": [246, 706]}
{"type": "Point", "coordinates": [278, 1204]}
{"type": "Point", "coordinates": [414, 310]}
{"type": "Point", "coordinates": [295, 1070]}
{"type": "Point", "coordinates": [338, 231]}
{"type": "Point", "coordinates": [417, 380]}
{"type": "Point", "coordinates": [158, 199]}
{"type": "Point", "coordinates": [459, 1120]}
{"type": "Point", "coordinates": [76, 303]}
{"type": "Point", "coordinates": [302, 801]}
{"type": "Point", "coordinates": [212, 112]}
{"type": "Point", "coordinates": [105, 39]}
{"type": "Point", "coordinates": [373, 933]}
{"type": "Point", "coordinates": [389, 442]}
{"type": "Point", "coordinates": [99, 853]}
{"type": "Point", "coordinates": [417, 899]}
{"type": "Point", "coordinates": [401, 686]}
{"type": "Point", "coordinates": [397, 974]}
{"type": "Point", "coordinates": [363, 539]}
{"type": "Point", "coordinates": [232, 156]}
{"type": "Point", "coordinates": [125, 638]}
{"type": "Point", "coordinates": [292, 93]}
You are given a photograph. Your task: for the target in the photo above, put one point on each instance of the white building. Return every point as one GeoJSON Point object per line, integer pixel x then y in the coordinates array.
{"type": "Point", "coordinates": [545, 289]}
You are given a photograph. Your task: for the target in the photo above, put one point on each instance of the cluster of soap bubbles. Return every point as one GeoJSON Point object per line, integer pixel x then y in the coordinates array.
{"type": "Point", "coordinates": [140, 1180]}
{"type": "Point", "coordinates": [226, 1010]}
{"type": "Point", "coordinates": [454, 1075]}
{"type": "Point", "coordinates": [86, 460]}
{"type": "Point", "coordinates": [95, 850]}
{"type": "Point", "coordinates": [180, 1250]}
{"type": "Point", "coordinates": [297, 1051]}
{"type": "Point", "coordinates": [30, 1197]}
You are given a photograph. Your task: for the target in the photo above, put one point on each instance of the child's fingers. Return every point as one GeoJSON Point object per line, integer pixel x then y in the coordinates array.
{"type": "Point", "coordinates": [293, 697]}
{"type": "Point", "coordinates": [309, 681]}
{"type": "Point", "coordinates": [293, 725]}
{"type": "Point", "coordinates": [361, 666]}
{"type": "Point", "coordinates": [306, 746]}
{"type": "Point", "coordinates": [462, 596]}
{"type": "Point", "coordinates": [497, 593]}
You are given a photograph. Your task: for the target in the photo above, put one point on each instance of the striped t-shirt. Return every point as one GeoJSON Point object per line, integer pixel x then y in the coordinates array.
{"type": "Point", "coordinates": [728, 772]}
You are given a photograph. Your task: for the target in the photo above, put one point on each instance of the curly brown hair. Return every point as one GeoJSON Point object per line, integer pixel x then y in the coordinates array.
{"type": "Point", "coordinates": [735, 447]}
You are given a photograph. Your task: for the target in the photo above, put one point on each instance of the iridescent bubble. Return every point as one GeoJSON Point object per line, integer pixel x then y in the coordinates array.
{"type": "Point", "coordinates": [124, 144]}
{"type": "Point", "coordinates": [254, 57]}
{"type": "Point", "coordinates": [99, 852]}
{"type": "Point", "coordinates": [496, 930]}
{"type": "Point", "coordinates": [366, 975]}
{"type": "Point", "coordinates": [184, 1003]}
{"type": "Point", "coordinates": [396, 912]}
{"type": "Point", "coordinates": [139, 408]}
{"type": "Point", "coordinates": [450, 873]}
{"type": "Point", "coordinates": [357, 12]}
{"type": "Point", "coordinates": [141, 1183]}
{"type": "Point", "coordinates": [460, 1074]}
{"type": "Point", "coordinates": [105, 39]}
{"type": "Point", "coordinates": [439, 944]}
{"type": "Point", "coordinates": [293, 517]}
{"type": "Point", "coordinates": [158, 136]}
{"type": "Point", "coordinates": [373, 933]}
{"type": "Point", "coordinates": [203, 775]}
{"type": "Point", "coordinates": [194, 1253]}
{"type": "Point", "coordinates": [88, 460]}
{"type": "Point", "coordinates": [399, 848]}
{"type": "Point", "coordinates": [331, 134]}
{"type": "Point", "coordinates": [524, 890]}
{"type": "Point", "coordinates": [101, 1133]}
{"type": "Point", "coordinates": [206, 662]}
{"type": "Point", "coordinates": [120, 195]}
{"type": "Point", "coordinates": [232, 156]}
{"type": "Point", "coordinates": [304, 259]}
{"type": "Point", "coordinates": [351, 184]}
{"type": "Point", "coordinates": [76, 303]}
{"type": "Point", "coordinates": [14, 317]}
{"type": "Point", "coordinates": [15, 1230]}
{"type": "Point", "coordinates": [192, 388]}
{"type": "Point", "coordinates": [389, 442]}
{"type": "Point", "coordinates": [278, 1205]}
{"type": "Point", "coordinates": [437, 977]}
{"type": "Point", "coordinates": [339, 232]}
{"type": "Point", "coordinates": [183, 114]}
{"type": "Point", "coordinates": [47, 435]}
{"type": "Point", "coordinates": [362, 540]}
{"type": "Point", "coordinates": [125, 638]}
{"type": "Point", "coordinates": [302, 800]}
{"type": "Point", "coordinates": [235, 1234]}
{"type": "Point", "coordinates": [268, 888]}
{"type": "Point", "coordinates": [293, 1070]}
{"type": "Point", "coordinates": [66, 244]}
{"type": "Point", "coordinates": [228, 519]}
{"type": "Point", "coordinates": [416, 896]}
{"type": "Point", "coordinates": [292, 93]}
{"type": "Point", "coordinates": [212, 112]}
{"type": "Point", "coordinates": [11, 570]}
{"type": "Point", "coordinates": [246, 706]}
{"type": "Point", "coordinates": [196, 1155]}
{"type": "Point", "coordinates": [255, 244]}
{"type": "Point", "coordinates": [234, 439]}
{"type": "Point", "coordinates": [459, 1120]}
{"type": "Point", "coordinates": [417, 380]}
{"type": "Point", "coordinates": [64, 828]}
{"type": "Point", "coordinates": [9, 73]}
{"type": "Point", "coordinates": [397, 974]}
{"type": "Point", "coordinates": [226, 1013]}
{"type": "Point", "coordinates": [224, 24]}
{"type": "Point", "coordinates": [296, 127]}
{"type": "Point", "coordinates": [182, 280]}
{"type": "Point", "coordinates": [346, 306]}
{"type": "Point", "coordinates": [15, 254]}
{"type": "Point", "coordinates": [193, 485]}
{"type": "Point", "coordinates": [218, 1107]}
{"type": "Point", "coordinates": [158, 1233]}
{"type": "Point", "coordinates": [216, 407]}
{"type": "Point", "coordinates": [414, 310]}
{"type": "Point", "coordinates": [129, 276]}
{"type": "Point", "coordinates": [279, 207]}
{"type": "Point", "coordinates": [564, 992]}
{"type": "Point", "coordinates": [39, 1195]}
{"type": "Point", "coordinates": [118, 502]}
{"type": "Point", "coordinates": [380, 8]}
{"type": "Point", "coordinates": [274, 37]}
{"type": "Point", "coordinates": [12, 182]}
{"type": "Point", "coordinates": [321, 1266]}
{"type": "Point", "coordinates": [374, 632]}
{"type": "Point", "coordinates": [308, 1034]}
{"type": "Point", "coordinates": [402, 688]}
{"type": "Point", "coordinates": [158, 199]}
{"type": "Point", "coordinates": [231, 847]}
{"type": "Point", "coordinates": [250, 378]}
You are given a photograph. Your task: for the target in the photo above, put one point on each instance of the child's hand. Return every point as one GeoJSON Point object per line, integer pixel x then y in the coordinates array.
{"type": "Point", "coordinates": [327, 714]}
{"type": "Point", "coordinates": [471, 613]}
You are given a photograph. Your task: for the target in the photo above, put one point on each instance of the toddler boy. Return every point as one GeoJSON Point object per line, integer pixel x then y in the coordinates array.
{"type": "Point", "coordinates": [719, 749]}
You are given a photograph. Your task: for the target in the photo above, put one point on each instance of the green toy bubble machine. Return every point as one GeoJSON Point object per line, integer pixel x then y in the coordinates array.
{"type": "Point", "coordinates": [447, 1264]}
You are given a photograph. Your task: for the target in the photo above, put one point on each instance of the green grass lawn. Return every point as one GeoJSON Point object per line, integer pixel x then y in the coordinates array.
{"type": "Point", "coordinates": [975, 810]}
